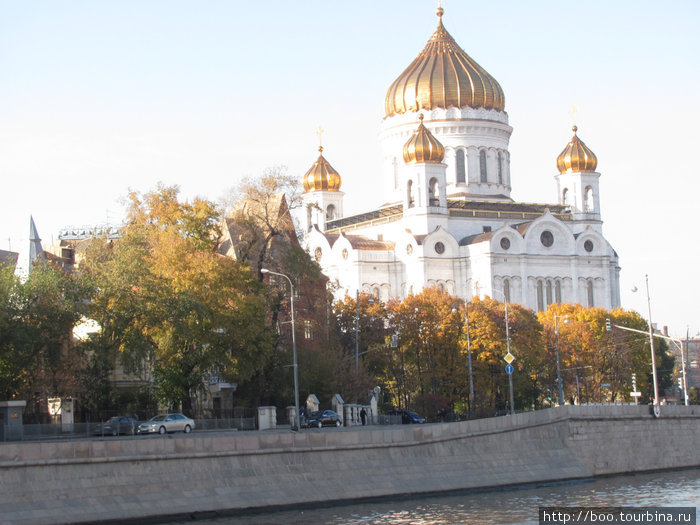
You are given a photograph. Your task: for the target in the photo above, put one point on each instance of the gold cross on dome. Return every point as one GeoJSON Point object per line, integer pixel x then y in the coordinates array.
{"type": "Point", "coordinates": [573, 112]}
{"type": "Point", "coordinates": [319, 132]}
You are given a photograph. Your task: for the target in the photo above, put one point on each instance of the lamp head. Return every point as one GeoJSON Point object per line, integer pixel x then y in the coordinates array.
{"type": "Point", "coordinates": [264, 270]}
{"type": "Point", "coordinates": [634, 289]}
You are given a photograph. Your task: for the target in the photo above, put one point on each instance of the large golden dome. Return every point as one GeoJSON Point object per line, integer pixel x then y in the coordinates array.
{"type": "Point", "coordinates": [443, 76]}
{"type": "Point", "coordinates": [576, 156]}
{"type": "Point", "coordinates": [423, 146]}
{"type": "Point", "coordinates": [322, 176]}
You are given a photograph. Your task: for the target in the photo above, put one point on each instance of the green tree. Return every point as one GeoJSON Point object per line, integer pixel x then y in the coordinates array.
{"type": "Point", "coordinates": [36, 322]}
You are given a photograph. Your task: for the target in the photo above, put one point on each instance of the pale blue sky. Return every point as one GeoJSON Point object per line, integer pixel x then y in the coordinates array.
{"type": "Point", "coordinates": [99, 97]}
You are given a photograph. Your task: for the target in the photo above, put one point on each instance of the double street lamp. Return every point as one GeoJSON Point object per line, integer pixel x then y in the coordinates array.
{"type": "Point", "coordinates": [295, 426]}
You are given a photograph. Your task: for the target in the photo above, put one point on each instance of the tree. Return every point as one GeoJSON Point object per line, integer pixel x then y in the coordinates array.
{"type": "Point", "coordinates": [36, 322]}
{"type": "Point", "coordinates": [426, 367]}
{"type": "Point", "coordinates": [489, 340]}
{"type": "Point", "coordinates": [592, 356]}
{"type": "Point", "coordinates": [260, 215]}
{"type": "Point", "coordinates": [170, 304]}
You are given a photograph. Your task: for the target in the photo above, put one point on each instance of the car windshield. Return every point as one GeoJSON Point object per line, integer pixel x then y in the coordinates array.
{"type": "Point", "coordinates": [158, 418]}
{"type": "Point", "coordinates": [112, 420]}
{"type": "Point", "coordinates": [411, 413]}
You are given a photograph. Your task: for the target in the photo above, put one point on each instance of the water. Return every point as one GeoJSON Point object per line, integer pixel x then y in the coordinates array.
{"type": "Point", "coordinates": [512, 506]}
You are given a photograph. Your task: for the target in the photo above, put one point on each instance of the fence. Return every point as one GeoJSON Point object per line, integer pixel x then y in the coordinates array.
{"type": "Point", "coordinates": [241, 420]}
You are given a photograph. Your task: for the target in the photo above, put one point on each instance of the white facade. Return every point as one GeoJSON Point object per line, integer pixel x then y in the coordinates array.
{"type": "Point", "coordinates": [453, 224]}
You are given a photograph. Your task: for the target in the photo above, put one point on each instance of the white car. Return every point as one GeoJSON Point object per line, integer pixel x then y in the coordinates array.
{"type": "Point", "coordinates": [164, 423]}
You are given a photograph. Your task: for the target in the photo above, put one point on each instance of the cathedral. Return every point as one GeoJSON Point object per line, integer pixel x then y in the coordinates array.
{"type": "Point", "coordinates": [450, 221]}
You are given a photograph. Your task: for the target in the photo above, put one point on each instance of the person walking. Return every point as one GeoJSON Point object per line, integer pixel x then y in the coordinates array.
{"type": "Point", "coordinates": [363, 416]}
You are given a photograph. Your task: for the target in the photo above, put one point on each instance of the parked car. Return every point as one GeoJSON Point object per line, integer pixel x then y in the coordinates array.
{"type": "Point", "coordinates": [327, 418]}
{"type": "Point", "coordinates": [407, 416]}
{"type": "Point", "coordinates": [166, 423]}
{"type": "Point", "coordinates": [117, 425]}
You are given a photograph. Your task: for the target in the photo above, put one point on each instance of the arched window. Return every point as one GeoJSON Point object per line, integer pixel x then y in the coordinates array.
{"type": "Point", "coordinates": [375, 292]}
{"type": "Point", "coordinates": [434, 197]}
{"type": "Point", "coordinates": [500, 167]}
{"type": "Point", "coordinates": [557, 291]}
{"type": "Point", "coordinates": [461, 172]}
{"type": "Point", "coordinates": [482, 165]}
{"type": "Point", "coordinates": [506, 289]}
{"type": "Point", "coordinates": [441, 287]}
{"type": "Point", "coordinates": [540, 297]}
{"type": "Point", "coordinates": [588, 200]}
{"type": "Point", "coordinates": [330, 213]}
{"type": "Point", "coordinates": [565, 196]}
{"type": "Point", "coordinates": [395, 167]}
{"type": "Point", "coordinates": [549, 293]}
{"type": "Point", "coordinates": [409, 194]}
{"type": "Point", "coordinates": [589, 289]}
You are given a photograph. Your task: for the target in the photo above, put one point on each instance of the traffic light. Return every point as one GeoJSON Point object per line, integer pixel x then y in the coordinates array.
{"type": "Point", "coordinates": [608, 327]}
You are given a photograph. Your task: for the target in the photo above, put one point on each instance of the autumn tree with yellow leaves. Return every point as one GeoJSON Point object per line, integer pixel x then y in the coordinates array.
{"type": "Point", "coordinates": [169, 304]}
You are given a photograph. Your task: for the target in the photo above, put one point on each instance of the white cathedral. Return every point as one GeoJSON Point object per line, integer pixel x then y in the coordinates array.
{"type": "Point", "coordinates": [451, 222]}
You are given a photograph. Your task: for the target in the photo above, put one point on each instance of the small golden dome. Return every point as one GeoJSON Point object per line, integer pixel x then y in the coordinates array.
{"type": "Point", "coordinates": [423, 146]}
{"type": "Point", "coordinates": [576, 156]}
{"type": "Point", "coordinates": [443, 76]}
{"type": "Point", "coordinates": [322, 176]}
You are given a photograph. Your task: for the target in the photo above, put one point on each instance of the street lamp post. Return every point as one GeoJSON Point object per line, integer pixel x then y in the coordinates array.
{"type": "Point", "coordinates": [469, 357]}
{"type": "Point", "coordinates": [556, 345]}
{"type": "Point", "coordinates": [651, 345]}
{"type": "Point", "coordinates": [510, 375]}
{"type": "Point", "coordinates": [653, 357]}
{"type": "Point", "coordinates": [357, 331]}
{"type": "Point", "coordinates": [295, 426]}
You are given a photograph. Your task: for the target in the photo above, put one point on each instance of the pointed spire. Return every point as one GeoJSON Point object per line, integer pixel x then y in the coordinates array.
{"type": "Point", "coordinates": [30, 253]}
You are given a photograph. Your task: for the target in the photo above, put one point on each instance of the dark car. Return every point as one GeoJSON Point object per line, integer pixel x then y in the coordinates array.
{"type": "Point", "coordinates": [117, 425]}
{"type": "Point", "coordinates": [327, 418]}
{"type": "Point", "coordinates": [407, 416]}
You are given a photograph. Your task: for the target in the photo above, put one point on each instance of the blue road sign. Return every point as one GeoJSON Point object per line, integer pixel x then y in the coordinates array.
{"type": "Point", "coordinates": [509, 369]}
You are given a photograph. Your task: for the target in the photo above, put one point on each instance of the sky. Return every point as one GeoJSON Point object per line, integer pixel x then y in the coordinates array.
{"type": "Point", "coordinates": [100, 98]}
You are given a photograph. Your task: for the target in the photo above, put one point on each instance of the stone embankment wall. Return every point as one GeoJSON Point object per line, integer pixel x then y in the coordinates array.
{"type": "Point", "coordinates": [219, 472]}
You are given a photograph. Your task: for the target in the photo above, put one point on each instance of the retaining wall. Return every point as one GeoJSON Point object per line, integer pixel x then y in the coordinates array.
{"type": "Point", "coordinates": [122, 478]}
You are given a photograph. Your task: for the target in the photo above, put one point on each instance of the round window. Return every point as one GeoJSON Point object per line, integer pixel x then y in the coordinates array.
{"type": "Point", "coordinates": [588, 246]}
{"type": "Point", "coordinates": [505, 243]}
{"type": "Point", "coordinates": [439, 248]}
{"type": "Point", "coordinates": [547, 239]}
{"type": "Point", "coordinates": [318, 253]}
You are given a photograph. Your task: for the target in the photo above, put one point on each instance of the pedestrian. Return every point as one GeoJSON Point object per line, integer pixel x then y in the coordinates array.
{"type": "Point", "coordinates": [363, 416]}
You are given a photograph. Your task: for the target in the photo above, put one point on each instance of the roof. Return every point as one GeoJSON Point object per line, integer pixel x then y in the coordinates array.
{"type": "Point", "coordinates": [387, 214]}
{"type": "Point", "coordinates": [8, 257]}
{"type": "Point", "coordinates": [505, 210]}
{"type": "Point", "coordinates": [359, 242]}
{"type": "Point", "coordinates": [474, 239]}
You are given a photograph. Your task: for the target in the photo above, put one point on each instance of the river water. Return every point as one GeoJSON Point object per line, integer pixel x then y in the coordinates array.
{"type": "Point", "coordinates": [512, 506]}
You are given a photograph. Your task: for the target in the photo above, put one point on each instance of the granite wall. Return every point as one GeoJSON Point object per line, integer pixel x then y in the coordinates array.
{"type": "Point", "coordinates": [220, 472]}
